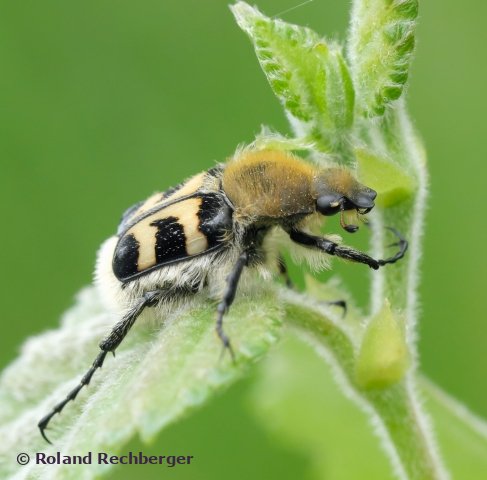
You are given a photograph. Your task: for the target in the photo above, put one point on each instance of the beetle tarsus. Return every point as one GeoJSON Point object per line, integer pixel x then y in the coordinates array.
{"type": "Point", "coordinates": [402, 243]}
{"type": "Point", "coordinates": [339, 303]}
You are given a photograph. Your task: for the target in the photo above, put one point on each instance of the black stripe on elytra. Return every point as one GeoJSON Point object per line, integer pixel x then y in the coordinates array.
{"type": "Point", "coordinates": [215, 218]}
{"type": "Point", "coordinates": [125, 257]}
{"type": "Point", "coordinates": [155, 209]}
{"type": "Point", "coordinates": [170, 239]}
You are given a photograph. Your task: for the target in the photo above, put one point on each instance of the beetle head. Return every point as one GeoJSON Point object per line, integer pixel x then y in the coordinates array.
{"type": "Point", "coordinates": [338, 191]}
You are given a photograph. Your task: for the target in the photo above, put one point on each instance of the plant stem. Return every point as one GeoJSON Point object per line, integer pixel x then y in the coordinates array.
{"type": "Point", "coordinates": [395, 410]}
{"type": "Point", "coordinates": [402, 422]}
{"type": "Point", "coordinates": [404, 419]}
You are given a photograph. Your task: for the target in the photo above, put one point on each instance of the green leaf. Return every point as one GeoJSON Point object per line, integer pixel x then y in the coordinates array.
{"type": "Point", "coordinates": [297, 398]}
{"type": "Point", "coordinates": [159, 375]}
{"type": "Point", "coordinates": [380, 49]}
{"type": "Point", "coordinates": [308, 76]}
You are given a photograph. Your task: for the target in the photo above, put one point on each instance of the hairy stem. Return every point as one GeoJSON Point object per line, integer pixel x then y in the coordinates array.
{"type": "Point", "coordinates": [395, 410]}
{"type": "Point", "coordinates": [401, 419]}
{"type": "Point", "coordinates": [395, 138]}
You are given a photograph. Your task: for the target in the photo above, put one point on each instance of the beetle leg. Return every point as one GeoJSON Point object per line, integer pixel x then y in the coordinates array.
{"type": "Point", "coordinates": [289, 283]}
{"type": "Point", "coordinates": [281, 263]}
{"type": "Point", "coordinates": [348, 253]}
{"type": "Point", "coordinates": [338, 303]}
{"type": "Point", "coordinates": [333, 248]}
{"type": "Point", "coordinates": [402, 243]}
{"type": "Point", "coordinates": [227, 300]}
{"type": "Point", "coordinates": [109, 344]}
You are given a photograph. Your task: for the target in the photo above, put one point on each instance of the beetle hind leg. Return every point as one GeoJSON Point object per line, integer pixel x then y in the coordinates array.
{"type": "Point", "coordinates": [109, 344]}
{"type": "Point", "coordinates": [44, 422]}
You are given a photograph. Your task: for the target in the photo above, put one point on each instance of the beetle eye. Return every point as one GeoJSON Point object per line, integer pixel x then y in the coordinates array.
{"type": "Point", "coordinates": [328, 204]}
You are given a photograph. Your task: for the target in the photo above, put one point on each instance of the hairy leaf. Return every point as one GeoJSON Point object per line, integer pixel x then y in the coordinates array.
{"type": "Point", "coordinates": [158, 375]}
{"type": "Point", "coordinates": [309, 76]}
{"type": "Point", "coordinates": [380, 47]}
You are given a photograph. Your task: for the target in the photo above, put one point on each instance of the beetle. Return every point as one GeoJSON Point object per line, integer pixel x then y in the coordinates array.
{"type": "Point", "coordinates": [199, 236]}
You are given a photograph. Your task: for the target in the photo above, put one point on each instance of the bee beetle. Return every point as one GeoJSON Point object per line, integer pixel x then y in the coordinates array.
{"type": "Point", "coordinates": [201, 235]}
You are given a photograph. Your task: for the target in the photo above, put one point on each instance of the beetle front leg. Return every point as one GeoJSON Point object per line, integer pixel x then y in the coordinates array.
{"type": "Point", "coordinates": [348, 253]}
{"type": "Point", "coordinates": [402, 243]}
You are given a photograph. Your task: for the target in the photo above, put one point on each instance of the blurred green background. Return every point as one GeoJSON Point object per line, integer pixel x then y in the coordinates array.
{"type": "Point", "coordinates": [103, 103]}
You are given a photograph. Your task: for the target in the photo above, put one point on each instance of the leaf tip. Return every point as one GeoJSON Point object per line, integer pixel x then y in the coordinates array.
{"type": "Point", "coordinates": [244, 14]}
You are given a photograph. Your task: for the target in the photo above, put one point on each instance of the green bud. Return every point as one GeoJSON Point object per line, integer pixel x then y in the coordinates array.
{"type": "Point", "coordinates": [383, 357]}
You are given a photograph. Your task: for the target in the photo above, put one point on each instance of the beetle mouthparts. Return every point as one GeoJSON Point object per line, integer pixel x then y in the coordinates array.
{"type": "Point", "coordinates": [350, 228]}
